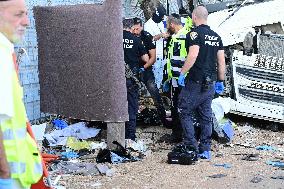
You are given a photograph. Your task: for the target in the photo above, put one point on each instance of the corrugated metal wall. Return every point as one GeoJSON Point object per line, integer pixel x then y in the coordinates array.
{"type": "Point", "coordinates": [29, 60]}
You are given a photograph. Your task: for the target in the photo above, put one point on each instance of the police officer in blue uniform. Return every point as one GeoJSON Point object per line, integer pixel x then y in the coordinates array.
{"type": "Point", "coordinates": [147, 75]}
{"type": "Point", "coordinates": [134, 50]}
{"type": "Point", "coordinates": [206, 65]}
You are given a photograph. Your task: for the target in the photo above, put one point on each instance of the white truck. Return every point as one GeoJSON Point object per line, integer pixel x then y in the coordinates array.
{"type": "Point", "coordinates": [253, 36]}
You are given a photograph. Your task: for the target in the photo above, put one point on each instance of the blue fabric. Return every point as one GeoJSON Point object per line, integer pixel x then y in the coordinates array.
{"type": "Point", "coordinates": [219, 87]}
{"type": "Point", "coordinates": [279, 164]}
{"type": "Point", "coordinates": [6, 184]}
{"type": "Point", "coordinates": [193, 99]}
{"type": "Point", "coordinates": [70, 154]}
{"type": "Point", "coordinates": [225, 165]}
{"type": "Point", "coordinates": [132, 99]}
{"type": "Point", "coordinates": [59, 124]}
{"type": "Point", "coordinates": [181, 79]}
{"type": "Point", "coordinates": [228, 130]}
{"type": "Point", "coordinates": [266, 148]}
{"type": "Point", "coordinates": [205, 155]}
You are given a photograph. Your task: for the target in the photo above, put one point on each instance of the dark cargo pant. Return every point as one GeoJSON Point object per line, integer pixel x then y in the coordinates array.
{"type": "Point", "coordinates": [194, 99]}
{"type": "Point", "coordinates": [148, 79]}
{"type": "Point", "coordinates": [132, 98]}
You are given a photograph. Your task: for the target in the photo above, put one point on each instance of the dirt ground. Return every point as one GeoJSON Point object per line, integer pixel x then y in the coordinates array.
{"type": "Point", "coordinates": [155, 172]}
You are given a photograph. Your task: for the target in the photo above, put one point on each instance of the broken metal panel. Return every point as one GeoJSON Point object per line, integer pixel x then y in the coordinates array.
{"type": "Point", "coordinates": [271, 45]}
{"type": "Point", "coordinates": [81, 67]}
{"type": "Point", "coordinates": [259, 86]}
{"type": "Point", "coordinates": [235, 29]}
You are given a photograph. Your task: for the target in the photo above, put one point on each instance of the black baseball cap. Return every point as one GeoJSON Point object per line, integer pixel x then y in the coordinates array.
{"type": "Point", "coordinates": [137, 21]}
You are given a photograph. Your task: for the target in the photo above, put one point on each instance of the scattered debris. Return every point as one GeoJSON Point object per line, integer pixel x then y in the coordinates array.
{"type": "Point", "coordinates": [250, 157]}
{"type": "Point", "coordinates": [266, 148]}
{"type": "Point", "coordinates": [102, 168]}
{"type": "Point", "coordinates": [256, 179]}
{"type": "Point", "coordinates": [279, 164]}
{"type": "Point", "coordinates": [59, 124]}
{"type": "Point", "coordinates": [78, 130]}
{"type": "Point", "coordinates": [278, 177]}
{"type": "Point", "coordinates": [225, 165]}
{"type": "Point", "coordinates": [217, 176]}
{"type": "Point", "coordinates": [75, 168]}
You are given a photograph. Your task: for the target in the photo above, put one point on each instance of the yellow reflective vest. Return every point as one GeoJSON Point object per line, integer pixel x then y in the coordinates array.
{"type": "Point", "coordinates": [21, 150]}
{"type": "Point", "coordinates": [177, 51]}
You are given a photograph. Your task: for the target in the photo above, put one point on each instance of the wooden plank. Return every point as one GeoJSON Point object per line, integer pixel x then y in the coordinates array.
{"type": "Point", "coordinates": [115, 132]}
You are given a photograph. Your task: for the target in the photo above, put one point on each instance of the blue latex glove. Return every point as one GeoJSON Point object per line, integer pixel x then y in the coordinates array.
{"type": "Point", "coordinates": [181, 79]}
{"type": "Point", "coordinates": [6, 184]}
{"type": "Point", "coordinates": [219, 87]}
{"type": "Point", "coordinates": [166, 87]}
{"type": "Point", "coordinates": [141, 70]}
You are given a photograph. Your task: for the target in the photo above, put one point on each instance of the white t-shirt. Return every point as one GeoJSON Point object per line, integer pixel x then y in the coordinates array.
{"type": "Point", "coordinates": [155, 29]}
{"type": "Point", "coordinates": [6, 78]}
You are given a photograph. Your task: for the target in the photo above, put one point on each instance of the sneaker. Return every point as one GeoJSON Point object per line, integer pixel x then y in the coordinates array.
{"type": "Point", "coordinates": [205, 155]}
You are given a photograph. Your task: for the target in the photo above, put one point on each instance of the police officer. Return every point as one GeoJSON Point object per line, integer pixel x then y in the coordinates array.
{"type": "Point", "coordinates": [177, 54]}
{"type": "Point", "coordinates": [205, 54]}
{"type": "Point", "coordinates": [134, 50]}
{"type": "Point", "coordinates": [147, 75]}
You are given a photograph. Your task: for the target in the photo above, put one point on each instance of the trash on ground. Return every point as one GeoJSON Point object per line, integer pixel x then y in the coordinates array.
{"type": "Point", "coordinates": [102, 168]}
{"type": "Point", "coordinates": [39, 130]}
{"type": "Point", "coordinates": [217, 176]}
{"type": "Point", "coordinates": [69, 155]}
{"type": "Point", "coordinates": [84, 169]}
{"type": "Point", "coordinates": [278, 177]}
{"type": "Point", "coordinates": [59, 124]}
{"type": "Point", "coordinates": [223, 130]}
{"type": "Point", "coordinates": [74, 144]}
{"type": "Point", "coordinates": [95, 145]}
{"type": "Point", "coordinates": [250, 157]}
{"type": "Point", "coordinates": [256, 180]}
{"type": "Point", "coordinates": [221, 106]}
{"type": "Point", "coordinates": [266, 148]}
{"type": "Point", "coordinates": [279, 164]}
{"type": "Point", "coordinates": [225, 165]}
{"type": "Point", "coordinates": [136, 146]}
{"type": "Point", "coordinates": [78, 130]}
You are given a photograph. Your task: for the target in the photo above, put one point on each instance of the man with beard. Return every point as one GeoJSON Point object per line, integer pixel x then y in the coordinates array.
{"type": "Point", "coordinates": [147, 75]}
{"type": "Point", "coordinates": [175, 60]}
{"type": "Point", "coordinates": [20, 161]}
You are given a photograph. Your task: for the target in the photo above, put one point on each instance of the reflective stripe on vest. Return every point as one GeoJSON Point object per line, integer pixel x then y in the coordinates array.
{"type": "Point", "coordinates": [177, 53]}
{"type": "Point", "coordinates": [20, 133]}
{"type": "Point", "coordinates": [38, 168]}
{"type": "Point", "coordinates": [178, 58]}
{"type": "Point", "coordinates": [17, 168]}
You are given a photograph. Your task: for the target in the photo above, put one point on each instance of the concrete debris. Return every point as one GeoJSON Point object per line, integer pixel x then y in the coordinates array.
{"type": "Point", "coordinates": [75, 168]}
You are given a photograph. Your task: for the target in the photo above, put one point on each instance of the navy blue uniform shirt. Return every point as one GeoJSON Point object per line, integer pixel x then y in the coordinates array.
{"type": "Point", "coordinates": [206, 63]}
{"type": "Point", "coordinates": [147, 40]}
{"type": "Point", "coordinates": [133, 50]}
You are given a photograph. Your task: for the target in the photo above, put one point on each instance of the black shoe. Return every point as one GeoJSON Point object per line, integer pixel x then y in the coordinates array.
{"type": "Point", "coordinates": [167, 124]}
{"type": "Point", "coordinates": [182, 154]}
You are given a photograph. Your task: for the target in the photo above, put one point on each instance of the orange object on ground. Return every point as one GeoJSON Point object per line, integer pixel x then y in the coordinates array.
{"type": "Point", "coordinates": [41, 184]}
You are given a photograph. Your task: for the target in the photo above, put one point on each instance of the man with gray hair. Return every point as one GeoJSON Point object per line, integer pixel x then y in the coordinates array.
{"type": "Point", "coordinates": [205, 54]}
{"type": "Point", "coordinates": [134, 50]}
{"type": "Point", "coordinates": [20, 161]}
